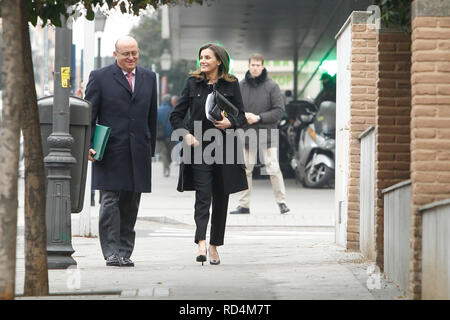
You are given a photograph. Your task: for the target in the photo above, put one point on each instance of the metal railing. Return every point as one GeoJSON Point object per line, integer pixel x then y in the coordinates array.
{"type": "Point", "coordinates": [436, 250]}
{"type": "Point", "coordinates": [367, 193]}
{"type": "Point", "coordinates": [397, 222]}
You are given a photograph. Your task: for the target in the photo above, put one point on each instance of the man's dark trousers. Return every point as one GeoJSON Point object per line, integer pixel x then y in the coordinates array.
{"type": "Point", "coordinates": [118, 213]}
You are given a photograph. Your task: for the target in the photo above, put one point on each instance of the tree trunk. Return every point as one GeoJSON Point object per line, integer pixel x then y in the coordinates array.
{"type": "Point", "coordinates": [36, 271]}
{"type": "Point", "coordinates": [13, 97]}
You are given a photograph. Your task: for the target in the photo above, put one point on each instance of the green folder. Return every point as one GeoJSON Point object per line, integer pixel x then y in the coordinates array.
{"type": "Point", "coordinates": [101, 136]}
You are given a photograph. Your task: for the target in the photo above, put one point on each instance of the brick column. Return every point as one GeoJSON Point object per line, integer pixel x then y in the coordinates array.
{"type": "Point", "coordinates": [392, 159]}
{"type": "Point", "coordinates": [430, 119]}
{"type": "Point", "coordinates": [363, 68]}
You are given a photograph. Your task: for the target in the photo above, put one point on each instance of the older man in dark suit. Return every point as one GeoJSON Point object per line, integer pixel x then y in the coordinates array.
{"type": "Point", "coordinates": [124, 98]}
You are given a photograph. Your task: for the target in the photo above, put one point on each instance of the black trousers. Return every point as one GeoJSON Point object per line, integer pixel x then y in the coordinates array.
{"type": "Point", "coordinates": [208, 186]}
{"type": "Point", "coordinates": [118, 213]}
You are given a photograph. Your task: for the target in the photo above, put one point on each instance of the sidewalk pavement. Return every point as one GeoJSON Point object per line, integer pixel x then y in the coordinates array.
{"type": "Point", "coordinates": [266, 255]}
{"type": "Point", "coordinates": [309, 207]}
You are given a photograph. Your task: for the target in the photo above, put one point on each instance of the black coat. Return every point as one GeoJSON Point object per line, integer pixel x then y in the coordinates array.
{"type": "Point", "coordinates": [192, 103]}
{"type": "Point", "coordinates": [126, 164]}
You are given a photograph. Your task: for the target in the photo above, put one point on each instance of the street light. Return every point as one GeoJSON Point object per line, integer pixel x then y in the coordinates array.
{"type": "Point", "coordinates": [165, 60]}
{"type": "Point", "coordinates": [100, 21]}
{"type": "Point", "coordinates": [59, 160]}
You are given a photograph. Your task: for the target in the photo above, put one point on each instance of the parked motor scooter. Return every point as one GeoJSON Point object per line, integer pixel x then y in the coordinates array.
{"type": "Point", "coordinates": [286, 147]}
{"type": "Point", "coordinates": [313, 162]}
{"type": "Point", "coordinates": [299, 114]}
{"type": "Point", "coordinates": [286, 152]}
{"type": "Point", "coordinates": [289, 128]}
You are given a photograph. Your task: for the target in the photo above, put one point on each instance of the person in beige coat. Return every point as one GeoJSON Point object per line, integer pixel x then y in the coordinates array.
{"type": "Point", "coordinates": [264, 107]}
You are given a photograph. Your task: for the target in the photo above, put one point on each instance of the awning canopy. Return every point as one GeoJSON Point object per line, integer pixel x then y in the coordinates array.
{"type": "Point", "coordinates": [273, 28]}
{"type": "Point", "coordinates": [301, 31]}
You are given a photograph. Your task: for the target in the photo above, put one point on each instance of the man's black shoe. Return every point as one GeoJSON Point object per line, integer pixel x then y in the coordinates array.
{"type": "Point", "coordinates": [283, 208]}
{"type": "Point", "coordinates": [126, 262]}
{"type": "Point", "coordinates": [113, 261]}
{"type": "Point", "coordinates": [240, 210]}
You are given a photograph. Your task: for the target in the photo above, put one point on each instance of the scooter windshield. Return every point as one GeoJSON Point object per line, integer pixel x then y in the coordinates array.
{"type": "Point", "coordinates": [325, 121]}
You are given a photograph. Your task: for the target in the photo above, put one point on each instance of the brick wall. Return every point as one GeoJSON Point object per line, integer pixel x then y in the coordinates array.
{"type": "Point", "coordinates": [392, 160]}
{"type": "Point", "coordinates": [363, 69]}
{"type": "Point", "coordinates": [430, 123]}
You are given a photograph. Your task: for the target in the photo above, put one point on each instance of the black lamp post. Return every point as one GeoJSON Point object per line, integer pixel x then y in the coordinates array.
{"type": "Point", "coordinates": [59, 160]}
{"type": "Point", "coordinates": [165, 61]}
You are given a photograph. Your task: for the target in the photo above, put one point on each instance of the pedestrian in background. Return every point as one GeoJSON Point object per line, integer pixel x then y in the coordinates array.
{"type": "Point", "coordinates": [79, 92]}
{"type": "Point", "coordinates": [328, 92]}
{"type": "Point", "coordinates": [213, 183]}
{"type": "Point", "coordinates": [124, 98]}
{"type": "Point", "coordinates": [173, 101]}
{"type": "Point", "coordinates": [288, 98]}
{"type": "Point", "coordinates": [163, 134]}
{"type": "Point", "coordinates": [263, 105]}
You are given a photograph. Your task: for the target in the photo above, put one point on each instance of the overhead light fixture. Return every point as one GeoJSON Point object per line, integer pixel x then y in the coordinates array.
{"type": "Point", "coordinates": [166, 60]}
{"type": "Point", "coordinates": [330, 66]}
{"type": "Point", "coordinates": [100, 21]}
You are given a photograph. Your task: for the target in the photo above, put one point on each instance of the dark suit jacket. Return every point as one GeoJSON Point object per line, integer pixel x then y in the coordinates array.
{"type": "Point", "coordinates": [192, 100]}
{"type": "Point", "coordinates": [132, 116]}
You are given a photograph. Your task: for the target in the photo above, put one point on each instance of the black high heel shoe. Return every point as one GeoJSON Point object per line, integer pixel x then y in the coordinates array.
{"type": "Point", "coordinates": [201, 258]}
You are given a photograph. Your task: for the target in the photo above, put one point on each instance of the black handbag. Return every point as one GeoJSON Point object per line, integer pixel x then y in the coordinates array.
{"type": "Point", "coordinates": [222, 104]}
{"type": "Point", "coordinates": [215, 113]}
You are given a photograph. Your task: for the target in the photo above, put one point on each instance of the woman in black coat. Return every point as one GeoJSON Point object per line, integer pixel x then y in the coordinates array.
{"type": "Point", "coordinates": [212, 181]}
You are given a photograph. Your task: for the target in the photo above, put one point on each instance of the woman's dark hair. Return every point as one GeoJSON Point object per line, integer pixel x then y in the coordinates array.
{"type": "Point", "coordinates": [221, 55]}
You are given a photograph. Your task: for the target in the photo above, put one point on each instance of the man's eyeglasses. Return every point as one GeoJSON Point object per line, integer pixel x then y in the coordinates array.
{"type": "Point", "coordinates": [129, 53]}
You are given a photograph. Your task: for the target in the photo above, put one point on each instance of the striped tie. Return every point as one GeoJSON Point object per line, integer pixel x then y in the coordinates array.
{"type": "Point", "coordinates": [130, 81]}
